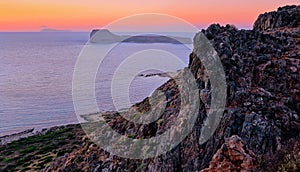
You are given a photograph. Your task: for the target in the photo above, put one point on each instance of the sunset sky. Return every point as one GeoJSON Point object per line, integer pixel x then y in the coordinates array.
{"type": "Point", "coordinates": [83, 15]}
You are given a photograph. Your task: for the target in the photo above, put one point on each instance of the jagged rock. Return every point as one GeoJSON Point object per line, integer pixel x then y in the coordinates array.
{"type": "Point", "coordinates": [233, 156]}
{"type": "Point", "coordinates": [284, 16]}
{"type": "Point", "coordinates": [260, 85]}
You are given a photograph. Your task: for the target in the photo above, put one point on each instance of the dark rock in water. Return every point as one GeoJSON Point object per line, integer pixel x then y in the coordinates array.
{"type": "Point", "coordinates": [285, 16]}
{"type": "Point", "coordinates": [157, 39]}
{"type": "Point", "coordinates": [94, 31]}
{"type": "Point", "coordinates": [104, 36]}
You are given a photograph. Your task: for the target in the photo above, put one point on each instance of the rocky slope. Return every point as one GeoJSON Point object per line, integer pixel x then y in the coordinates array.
{"type": "Point", "coordinates": [263, 104]}
{"type": "Point", "coordinates": [260, 127]}
{"type": "Point", "coordinates": [285, 16]}
{"type": "Point", "coordinates": [262, 70]}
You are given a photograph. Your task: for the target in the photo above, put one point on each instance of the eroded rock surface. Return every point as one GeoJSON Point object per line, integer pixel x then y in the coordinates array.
{"type": "Point", "coordinates": [287, 16]}
{"type": "Point", "coordinates": [233, 156]}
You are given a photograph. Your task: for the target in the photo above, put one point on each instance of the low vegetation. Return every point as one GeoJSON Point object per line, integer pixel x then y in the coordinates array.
{"type": "Point", "coordinates": [36, 152]}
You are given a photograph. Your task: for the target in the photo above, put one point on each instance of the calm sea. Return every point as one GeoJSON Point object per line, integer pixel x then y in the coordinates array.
{"type": "Point", "coordinates": [36, 71]}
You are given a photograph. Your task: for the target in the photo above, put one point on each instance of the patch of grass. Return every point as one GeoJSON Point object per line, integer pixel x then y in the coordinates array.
{"type": "Point", "coordinates": [9, 152]}
{"type": "Point", "coordinates": [28, 149]}
{"type": "Point", "coordinates": [43, 162]}
{"type": "Point", "coordinates": [23, 161]}
{"type": "Point", "coordinates": [14, 145]}
{"type": "Point", "coordinates": [62, 142]}
{"type": "Point", "coordinates": [6, 160]}
{"type": "Point", "coordinates": [70, 136]}
{"type": "Point", "coordinates": [132, 136]}
{"type": "Point", "coordinates": [35, 152]}
{"type": "Point", "coordinates": [45, 149]}
{"type": "Point", "coordinates": [64, 130]}
{"type": "Point", "coordinates": [47, 159]}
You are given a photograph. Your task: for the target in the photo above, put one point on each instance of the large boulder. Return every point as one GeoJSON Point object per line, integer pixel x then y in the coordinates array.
{"type": "Point", "coordinates": [233, 156]}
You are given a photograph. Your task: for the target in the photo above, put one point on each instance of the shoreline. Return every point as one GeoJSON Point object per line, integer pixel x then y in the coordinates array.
{"type": "Point", "coordinates": [8, 138]}
{"type": "Point", "coordinates": [16, 136]}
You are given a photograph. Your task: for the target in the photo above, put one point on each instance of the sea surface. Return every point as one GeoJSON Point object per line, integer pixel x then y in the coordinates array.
{"type": "Point", "coordinates": [36, 71]}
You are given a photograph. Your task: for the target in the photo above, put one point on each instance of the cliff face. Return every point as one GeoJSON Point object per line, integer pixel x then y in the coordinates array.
{"type": "Point", "coordinates": [261, 122]}
{"type": "Point", "coordinates": [262, 72]}
{"type": "Point", "coordinates": [285, 16]}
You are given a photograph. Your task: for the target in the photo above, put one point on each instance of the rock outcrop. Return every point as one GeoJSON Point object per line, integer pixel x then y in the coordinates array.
{"type": "Point", "coordinates": [233, 156]}
{"type": "Point", "coordinates": [104, 36]}
{"type": "Point", "coordinates": [287, 16]}
{"type": "Point", "coordinates": [262, 72]}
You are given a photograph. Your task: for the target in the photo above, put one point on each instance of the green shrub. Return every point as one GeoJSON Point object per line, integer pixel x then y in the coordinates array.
{"type": "Point", "coordinates": [28, 149]}
{"type": "Point", "coordinates": [291, 162]}
{"type": "Point", "coordinates": [6, 160]}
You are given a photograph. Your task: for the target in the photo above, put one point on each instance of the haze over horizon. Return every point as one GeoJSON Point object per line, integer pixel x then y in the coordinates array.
{"type": "Point", "coordinates": [79, 15]}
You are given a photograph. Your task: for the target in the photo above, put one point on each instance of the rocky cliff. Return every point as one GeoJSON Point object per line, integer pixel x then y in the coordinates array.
{"type": "Point", "coordinates": [260, 127]}
{"type": "Point", "coordinates": [262, 110]}
{"type": "Point", "coordinates": [262, 72]}
{"type": "Point", "coordinates": [287, 16]}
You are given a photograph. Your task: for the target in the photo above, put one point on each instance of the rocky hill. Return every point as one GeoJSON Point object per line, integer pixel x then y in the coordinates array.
{"type": "Point", "coordinates": [260, 127]}
{"type": "Point", "coordinates": [285, 16]}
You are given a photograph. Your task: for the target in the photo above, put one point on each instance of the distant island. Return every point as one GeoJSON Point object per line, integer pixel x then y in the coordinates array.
{"type": "Point", "coordinates": [105, 36]}
{"type": "Point", "coordinates": [53, 30]}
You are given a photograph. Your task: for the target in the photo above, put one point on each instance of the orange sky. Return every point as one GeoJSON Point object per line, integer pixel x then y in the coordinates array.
{"type": "Point", "coordinates": [83, 15]}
